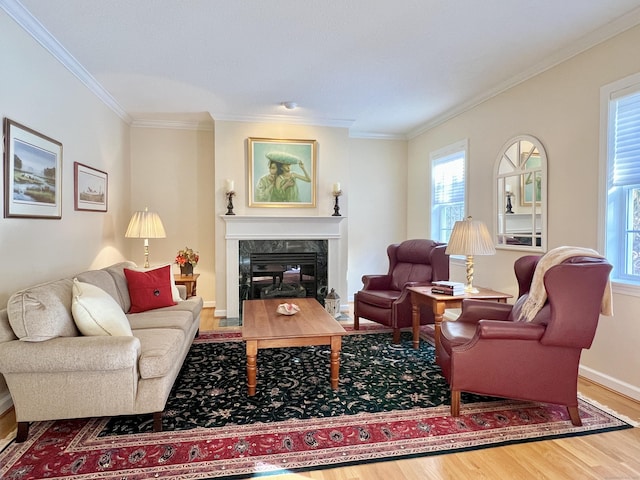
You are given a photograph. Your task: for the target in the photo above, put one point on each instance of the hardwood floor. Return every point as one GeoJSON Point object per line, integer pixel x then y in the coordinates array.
{"type": "Point", "coordinates": [605, 456]}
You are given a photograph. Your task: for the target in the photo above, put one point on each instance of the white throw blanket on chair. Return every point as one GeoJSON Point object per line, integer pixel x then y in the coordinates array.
{"type": "Point", "coordinates": [537, 292]}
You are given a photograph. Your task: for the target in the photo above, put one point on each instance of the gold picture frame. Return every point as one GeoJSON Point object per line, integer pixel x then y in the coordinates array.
{"type": "Point", "coordinates": [281, 173]}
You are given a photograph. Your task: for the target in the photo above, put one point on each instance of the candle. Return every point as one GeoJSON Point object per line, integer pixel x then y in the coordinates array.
{"type": "Point", "coordinates": [336, 187]}
{"type": "Point", "coordinates": [508, 187]}
{"type": "Point", "coordinates": [229, 185]}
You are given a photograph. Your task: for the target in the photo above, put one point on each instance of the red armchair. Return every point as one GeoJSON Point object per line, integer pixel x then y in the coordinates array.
{"type": "Point", "coordinates": [489, 351]}
{"type": "Point", "coordinates": [385, 299]}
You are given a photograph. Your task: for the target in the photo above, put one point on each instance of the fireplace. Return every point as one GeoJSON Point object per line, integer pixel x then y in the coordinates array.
{"type": "Point", "coordinates": [285, 235]}
{"type": "Point", "coordinates": [282, 268]}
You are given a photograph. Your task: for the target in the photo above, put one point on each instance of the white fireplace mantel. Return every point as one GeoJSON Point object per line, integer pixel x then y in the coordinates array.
{"type": "Point", "coordinates": [271, 227]}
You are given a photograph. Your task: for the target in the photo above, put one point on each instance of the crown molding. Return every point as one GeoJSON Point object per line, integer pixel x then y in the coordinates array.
{"type": "Point", "coordinates": [204, 126]}
{"type": "Point", "coordinates": [34, 28]}
{"type": "Point", "coordinates": [590, 40]}
{"type": "Point", "coordinates": [318, 122]}
{"type": "Point", "coordinates": [376, 135]}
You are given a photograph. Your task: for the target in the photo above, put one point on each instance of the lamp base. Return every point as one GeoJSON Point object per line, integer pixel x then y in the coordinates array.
{"type": "Point", "coordinates": [469, 288]}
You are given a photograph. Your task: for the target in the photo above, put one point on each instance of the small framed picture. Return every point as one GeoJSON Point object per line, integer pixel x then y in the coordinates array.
{"type": "Point", "coordinates": [32, 173]}
{"type": "Point", "coordinates": [90, 186]}
{"type": "Point", "coordinates": [282, 173]}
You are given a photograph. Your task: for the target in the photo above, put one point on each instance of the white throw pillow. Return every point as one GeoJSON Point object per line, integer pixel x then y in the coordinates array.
{"type": "Point", "coordinates": [97, 313]}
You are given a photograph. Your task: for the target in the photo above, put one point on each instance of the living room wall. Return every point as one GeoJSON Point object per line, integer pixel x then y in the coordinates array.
{"type": "Point", "coordinates": [561, 107]}
{"type": "Point", "coordinates": [372, 176]}
{"type": "Point", "coordinates": [172, 173]}
{"type": "Point", "coordinates": [38, 92]}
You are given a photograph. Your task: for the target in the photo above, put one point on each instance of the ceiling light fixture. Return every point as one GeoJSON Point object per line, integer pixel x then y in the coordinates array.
{"type": "Point", "coordinates": [289, 105]}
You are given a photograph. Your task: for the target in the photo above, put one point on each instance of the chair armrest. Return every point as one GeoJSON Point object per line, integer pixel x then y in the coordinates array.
{"type": "Point", "coordinates": [475, 310]}
{"type": "Point", "coordinates": [496, 329]}
{"type": "Point", "coordinates": [70, 354]}
{"type": "Point", "coordinates": [405, 291]}
{"type": "Point", "coordinates": [376, 282]}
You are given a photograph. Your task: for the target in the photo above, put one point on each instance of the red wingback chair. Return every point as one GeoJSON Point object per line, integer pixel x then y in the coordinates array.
{"type": "Point", "coordinates": [385, 298]}
{"type": "Point", "coordinates": [489, 351]}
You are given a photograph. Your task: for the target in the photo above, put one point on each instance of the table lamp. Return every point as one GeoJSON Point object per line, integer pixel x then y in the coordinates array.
{"type": "Point", "coordinates": [470, 237]}
{"type": "Point", "coordinates": [145, 224]}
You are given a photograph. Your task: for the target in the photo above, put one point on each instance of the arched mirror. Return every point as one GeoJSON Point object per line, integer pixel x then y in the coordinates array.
{"type": "Point", "coordinates": [521, 195]}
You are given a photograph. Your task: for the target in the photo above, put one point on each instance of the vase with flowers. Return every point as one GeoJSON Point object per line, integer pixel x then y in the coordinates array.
{"type": "Point", "coordinates": [187, 259]}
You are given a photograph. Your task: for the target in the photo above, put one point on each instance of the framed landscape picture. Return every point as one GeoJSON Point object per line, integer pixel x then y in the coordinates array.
{"type": "Point", "coordinates": [32, 173]}
{"type": "Point", "coordinates": [281, 173]}
{"type": "Point", "coordinates": [90, 187]}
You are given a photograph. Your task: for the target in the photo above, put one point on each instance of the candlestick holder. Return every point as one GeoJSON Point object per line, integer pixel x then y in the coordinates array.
{"type": "Point", "coordinates": [509, 206]}
{"type": "Point", "coordinates": [336, 206]}
{"type": "Point", "coordinates": [230, 202]}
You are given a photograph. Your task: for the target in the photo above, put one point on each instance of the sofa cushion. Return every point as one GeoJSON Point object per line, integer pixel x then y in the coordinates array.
{"type": "Point", "coordinates": [159, 350]}
{"type": "Point", "coordinates": [96, 312]}
{"type": "Point", "coordinates": [102, 279]}
{"type": "Point", "coordinates": [150, 289]}
{"type": "Point", "coordinates": [42, 312]}
{"type": "Point", "coordinates": [117, 273]}
{"type": "Point", "coordinates": [161, 318]}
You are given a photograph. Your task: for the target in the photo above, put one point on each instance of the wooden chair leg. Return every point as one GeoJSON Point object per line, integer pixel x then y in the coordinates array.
{"type": "Point", "coordinates": [574, 415]}
{"type": "Point", "coordinates": [455, 403]}
{"type": "Point", "coordinates": [23, 432]}
{"type": "Point", "coordinates": [157, 422]}
{"type": "Point", "coordinates": [396, 335]}
{"type": "Point", "coordinates": [356, 322]}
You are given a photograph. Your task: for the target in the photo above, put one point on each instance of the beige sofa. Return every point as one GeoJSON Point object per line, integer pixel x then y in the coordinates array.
{"type": "Point", "coordinates": [54, 372]}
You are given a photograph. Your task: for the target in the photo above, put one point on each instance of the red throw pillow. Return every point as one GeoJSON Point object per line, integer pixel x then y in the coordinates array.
{"type": "Point", "coordinates": [150, 289]}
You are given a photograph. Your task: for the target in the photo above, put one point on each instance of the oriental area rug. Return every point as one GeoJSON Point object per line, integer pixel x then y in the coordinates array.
{"type": "Point", "coordinates": [392, 403]}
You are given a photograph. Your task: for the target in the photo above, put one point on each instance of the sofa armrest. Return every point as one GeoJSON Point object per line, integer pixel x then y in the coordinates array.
{"type": "Point", "coordinates": [182, 290]}
{"type": "Point", "coordinates": [70, 354]}
{"type": "Point", "coordinates": [376, 282]}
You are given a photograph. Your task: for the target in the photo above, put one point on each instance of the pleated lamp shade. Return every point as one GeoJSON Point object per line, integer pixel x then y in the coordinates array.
{"type": "Point", "coordinates": [145, 224]}
{"type": "Point", "coordinates": [470, 237]}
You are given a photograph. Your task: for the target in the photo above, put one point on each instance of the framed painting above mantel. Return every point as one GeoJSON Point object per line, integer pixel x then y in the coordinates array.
{"type": "Point", "coordinates": [281, 173]}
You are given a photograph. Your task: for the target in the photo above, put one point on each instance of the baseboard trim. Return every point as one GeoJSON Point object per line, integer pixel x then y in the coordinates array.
{"type": "Point", "coordinates": [611, 383]}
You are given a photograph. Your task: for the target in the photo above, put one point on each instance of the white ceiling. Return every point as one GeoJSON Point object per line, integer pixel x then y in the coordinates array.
{"type": "Point", "coordinates": [387, 68]}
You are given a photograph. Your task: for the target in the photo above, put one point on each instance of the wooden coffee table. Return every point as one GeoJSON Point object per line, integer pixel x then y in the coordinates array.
{"type": "Point", "coordinates": [263, 327]}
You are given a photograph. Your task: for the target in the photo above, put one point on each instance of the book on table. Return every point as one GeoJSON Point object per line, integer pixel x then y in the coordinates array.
{"type": "Point", "coordinates": [448, 288]}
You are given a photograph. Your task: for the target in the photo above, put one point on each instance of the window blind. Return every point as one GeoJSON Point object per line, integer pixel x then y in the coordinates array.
{"type": "Point", "coordinates": [626, 141]}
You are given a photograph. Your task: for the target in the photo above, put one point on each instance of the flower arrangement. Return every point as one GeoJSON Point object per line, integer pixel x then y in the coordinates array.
{"type": "Point", "coordinates": [187, 255]}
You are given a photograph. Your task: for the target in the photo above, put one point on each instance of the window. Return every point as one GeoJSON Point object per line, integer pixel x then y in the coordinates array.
{"type": "Point", "coordinates": [448, 185]}
{"type": "Point", "coordinates": [621, 218]}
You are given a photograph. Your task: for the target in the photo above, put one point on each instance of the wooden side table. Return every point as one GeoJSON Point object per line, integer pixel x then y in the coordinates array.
{"type": "Point", "coordinates": [440, 302]}
{"type": "Point", "coordinates": [189, 281]}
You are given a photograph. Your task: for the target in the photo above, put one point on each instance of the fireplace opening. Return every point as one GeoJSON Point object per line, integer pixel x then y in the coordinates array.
{"type": "Point", "coordinates": [282, 275]}
{"type": "Point", "coordinates": [282, 269]}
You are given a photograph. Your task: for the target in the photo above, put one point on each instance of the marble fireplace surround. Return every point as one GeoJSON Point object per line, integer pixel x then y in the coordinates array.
{"type": "Point", "coordinates": [263, 227]}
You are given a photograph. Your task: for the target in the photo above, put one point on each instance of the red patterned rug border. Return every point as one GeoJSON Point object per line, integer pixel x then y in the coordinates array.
{"type": "Point", "coordinates": [473, 433]}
